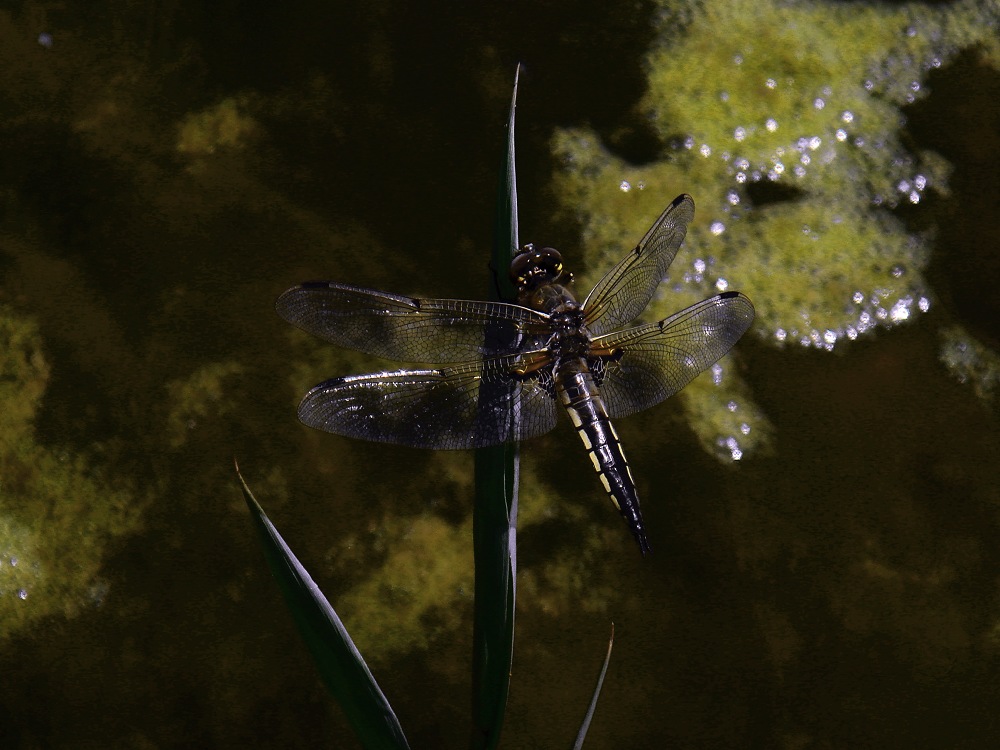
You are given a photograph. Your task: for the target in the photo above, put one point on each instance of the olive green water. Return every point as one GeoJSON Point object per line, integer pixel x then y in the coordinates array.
{"type": "Point", "coordinates": [824, 519]}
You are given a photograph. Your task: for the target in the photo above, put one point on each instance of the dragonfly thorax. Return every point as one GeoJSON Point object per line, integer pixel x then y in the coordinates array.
{"type": "Point", "coordinates": [570, 336]}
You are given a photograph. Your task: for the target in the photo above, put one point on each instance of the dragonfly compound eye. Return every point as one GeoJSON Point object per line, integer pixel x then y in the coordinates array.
{"type": "Point", "coordinates": [533, 266]}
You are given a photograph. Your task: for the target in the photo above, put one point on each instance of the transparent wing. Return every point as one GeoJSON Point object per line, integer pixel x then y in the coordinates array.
{"type": "Point", "coordinates": [627, 288]}
{"type": "Point", "coordinates": [404, 328]}
{"type": "Point", "coordinates": [469, 405]}
{"type": "Point", "coordinates": [642, 366]}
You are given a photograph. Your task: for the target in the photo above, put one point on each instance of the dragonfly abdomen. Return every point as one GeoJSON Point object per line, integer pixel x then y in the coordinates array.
{"type": "Point", "coordinates": [583, 402]}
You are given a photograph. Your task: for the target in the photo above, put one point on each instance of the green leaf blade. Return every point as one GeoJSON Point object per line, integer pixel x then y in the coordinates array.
{"type": "Point", "coordinates": [588, 717]}
{"type": "Point", "coordinates": [495, 510]}
{"type": "Point", "coordinates": [341, 666]}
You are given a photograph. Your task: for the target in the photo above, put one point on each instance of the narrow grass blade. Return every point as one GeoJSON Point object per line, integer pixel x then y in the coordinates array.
{"type": "Point", "coordinates": [581, 735]}
{"type": "Point", "coordinates": [495, 511]}
{"type": "Point", "coordinates": [340, 664]}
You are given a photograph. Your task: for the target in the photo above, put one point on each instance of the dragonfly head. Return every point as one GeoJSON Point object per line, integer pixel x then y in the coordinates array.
{"type": "Point", "coordinates": [534, 266]}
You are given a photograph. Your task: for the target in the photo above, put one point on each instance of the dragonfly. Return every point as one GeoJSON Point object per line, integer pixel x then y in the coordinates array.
{"type": "Point", "coordinates": [500, 372]}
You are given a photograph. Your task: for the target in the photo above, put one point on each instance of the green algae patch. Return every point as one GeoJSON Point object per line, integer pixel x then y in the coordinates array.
{"type": "Point", "coordinates": [422, 591]}
{"type": "Point", "coordinates": [200, 397]}
{"type": "Point", "coordinates": [56, 518]}
{"type": "Point", "coordinates": [224, 126]}
{"type": "Point", "coordinates": [784, 121]}
{"type": "Point", "coordinates": [731, 423]}
{"type": "Point", "coordinates": [970, 361]}
{"type": "Point", "coordinates": [413, 574]}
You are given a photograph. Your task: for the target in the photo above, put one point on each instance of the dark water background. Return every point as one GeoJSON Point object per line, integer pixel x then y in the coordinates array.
{"type": "Point", "coordinates": [841, 591]}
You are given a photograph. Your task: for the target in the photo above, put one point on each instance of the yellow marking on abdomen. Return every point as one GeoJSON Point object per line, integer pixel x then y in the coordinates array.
{"type": "Point", "coordinates": [607, 488]}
